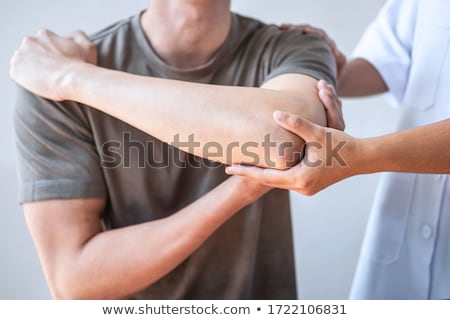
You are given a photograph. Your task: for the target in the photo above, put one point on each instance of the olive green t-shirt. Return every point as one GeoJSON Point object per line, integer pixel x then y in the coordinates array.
{"type": "Point", "coordinates": [68, 150]}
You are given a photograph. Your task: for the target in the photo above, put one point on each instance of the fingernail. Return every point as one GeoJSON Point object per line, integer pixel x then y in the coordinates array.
{"type": "Point", "coordinates": [231, 170]}
{"type": "Point", "coordinates": [279, 115]}
{"type": "Point", "coordinates": [321, 83]}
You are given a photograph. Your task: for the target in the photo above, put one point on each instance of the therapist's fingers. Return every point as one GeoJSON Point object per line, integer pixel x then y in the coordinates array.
{"type": "Point", "coordinates": [297, 125]}
{"type": "Point", "coordinates": [269, 177]}
{"type": "Point", "coordinates": [289, 26]}
{"type": "Point", "coordinates": [341, 59]}
{"type": "Point", "coordinates": [333, 105]}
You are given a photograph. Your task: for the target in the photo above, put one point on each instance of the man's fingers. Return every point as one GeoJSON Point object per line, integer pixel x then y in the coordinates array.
{"type": "Point", "coordinates": [297, 125]}
{"type": "Point", "coordinates": [45, 33]}
{"type": "Point", "coordinates": [47, 38]}
{"type": "Point", "coordinates": [81, 38]}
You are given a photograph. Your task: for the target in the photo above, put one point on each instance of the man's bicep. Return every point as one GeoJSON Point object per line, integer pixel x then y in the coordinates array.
{"type": "Point", "coordinates": [59, 229]}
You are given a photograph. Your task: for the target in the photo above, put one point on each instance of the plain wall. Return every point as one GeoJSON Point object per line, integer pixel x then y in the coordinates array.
{"type": "Point", "coordinates": [328, 227]}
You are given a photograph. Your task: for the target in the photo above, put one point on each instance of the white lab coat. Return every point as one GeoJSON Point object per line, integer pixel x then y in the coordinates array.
{"type": "Point", "coordinates": [406, 250]}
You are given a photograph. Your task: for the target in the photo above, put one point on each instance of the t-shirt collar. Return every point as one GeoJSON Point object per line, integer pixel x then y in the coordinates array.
{"type": "Point", "coordinates": [161, 68]}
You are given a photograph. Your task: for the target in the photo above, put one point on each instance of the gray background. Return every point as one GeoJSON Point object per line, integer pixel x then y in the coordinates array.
{"type": "Point", "coordinates": [328, 227]}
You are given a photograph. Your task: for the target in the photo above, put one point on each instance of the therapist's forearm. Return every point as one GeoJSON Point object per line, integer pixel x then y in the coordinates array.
{"type": "Point", "coordinates": [236, 118]}
{"type": "Point", "coordinates": [420, 150]}
{"type": "Point", "coordinates": [360, 78]}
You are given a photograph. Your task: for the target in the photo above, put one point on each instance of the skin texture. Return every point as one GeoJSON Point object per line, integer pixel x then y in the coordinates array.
{"type": "Point", "coordinates": [60, 69]}
{"type": "Point", "coordinates": [68, 76]}
{"type": "Point", "coordinates": [67, 233]}
{"type": "Point", "coordinates": [419, 150]}
{"type": "Point", "coordinates": [80, 261]}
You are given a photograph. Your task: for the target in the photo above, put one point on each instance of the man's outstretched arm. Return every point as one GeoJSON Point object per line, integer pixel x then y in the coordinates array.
{"type": "Point", "coordinates": [229, 116]}
{"type": "Point", "coordinates": [81, 261]}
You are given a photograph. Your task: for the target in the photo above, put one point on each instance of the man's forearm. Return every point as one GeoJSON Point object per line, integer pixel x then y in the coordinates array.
{"type": "Point", "coordinates": [228, 124]}
{"type": "Point", "coordinates": [422, 150]}
{"type": "Point", "coordinates": [118, 263]}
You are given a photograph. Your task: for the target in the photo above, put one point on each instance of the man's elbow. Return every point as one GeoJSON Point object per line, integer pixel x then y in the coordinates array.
{"type": "Point", "coordinates": [68, 283]}
{"type": "Point", "coordinates": [287, 149]}
{"type": "Point", "coordinates": [66, 286]}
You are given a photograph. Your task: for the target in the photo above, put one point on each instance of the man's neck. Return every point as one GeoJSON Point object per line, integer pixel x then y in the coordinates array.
{"type": "Point", "coordinates": [187, 33]}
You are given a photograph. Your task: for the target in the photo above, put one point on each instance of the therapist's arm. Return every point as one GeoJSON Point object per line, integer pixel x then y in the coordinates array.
{"type": "Point", "coordinates": [356, 78]}
{"type": "Point", "coordinates": [333, 155]}
{"type": "Point", "coordinates": [238, 119]}
{"type": "Point", "coordinates": [360, 78]}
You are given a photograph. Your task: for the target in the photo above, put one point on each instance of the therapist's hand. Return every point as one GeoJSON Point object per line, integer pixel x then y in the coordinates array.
{"type": "Point", "coordinates": [43, 63]}
{"type": "Point", "coordinates": [341, 59]}
{"type": "Point", "coordinates": [332, 104]}
{"type": "Point", "coordinates": [327, 158]}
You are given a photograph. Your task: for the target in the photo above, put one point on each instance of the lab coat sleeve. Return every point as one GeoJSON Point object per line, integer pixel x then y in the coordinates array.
{"type": "Point", "coordinates": [387, 44]}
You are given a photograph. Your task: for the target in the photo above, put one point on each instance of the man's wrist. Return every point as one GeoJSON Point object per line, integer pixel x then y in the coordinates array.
{"type": "Point", "coordinates": [247, 190]}
{"type": "Point", "coordinates": [71, 80]}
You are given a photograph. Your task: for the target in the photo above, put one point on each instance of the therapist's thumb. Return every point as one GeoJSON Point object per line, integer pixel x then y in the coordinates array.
{"type": "Point", "coordinates": [296, 124]}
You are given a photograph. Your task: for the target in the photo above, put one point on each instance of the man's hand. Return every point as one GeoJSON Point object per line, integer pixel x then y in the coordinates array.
{"type": "Point", "coordinates": [341, 59]}
{"type": "Point", "coordinates": [43, 63]}
{"type": "Point", "coordinates": [325, 161]}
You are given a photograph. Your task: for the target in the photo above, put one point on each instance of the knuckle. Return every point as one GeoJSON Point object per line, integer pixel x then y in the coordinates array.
{"type": "Point", "coordinates": [27, 40]}
{"type": "Point", "coordinates": [309, 193]}
{"type": "Point", "coordinates": [330, 95]}
{"type": "Point", "coordinates": [296, 122]}
{"type": "Point", "coordinates": [305, 186]}
{"type": "Point", "coordinates": [13, 58]}
{"type": "Point", "coordinates": [43, 32]}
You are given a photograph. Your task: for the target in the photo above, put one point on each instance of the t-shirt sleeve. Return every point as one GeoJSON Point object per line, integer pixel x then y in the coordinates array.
{"type": "Point", "coordinates": [295, 52]}
{"type": "Point", "coordinates": [56, 153]}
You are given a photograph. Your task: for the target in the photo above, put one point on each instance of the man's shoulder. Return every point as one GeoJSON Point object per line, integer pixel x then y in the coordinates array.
{"type": "Point", "coordinates": [266, 32]}
{"type": "Point", "coordinates": [112, 30]}
{"type": "Point", "coordinates": [118, 42]}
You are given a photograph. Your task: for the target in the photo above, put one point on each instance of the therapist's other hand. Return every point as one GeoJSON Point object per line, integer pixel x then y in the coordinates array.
{"type": "Point", "coordinates": [43, 63]}
{"type": "Point", "coordinates": [325, 162]}
{"type": "Point", "coordinates": [341, 59]}
{"type": "Point", "coordinates": [332, 104]}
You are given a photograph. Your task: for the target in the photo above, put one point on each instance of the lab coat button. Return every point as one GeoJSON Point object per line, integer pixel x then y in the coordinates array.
{"type": "Point", "coordinates": [427, 231]}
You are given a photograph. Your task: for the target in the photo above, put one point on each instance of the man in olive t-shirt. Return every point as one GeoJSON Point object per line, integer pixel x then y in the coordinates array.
{"type": "Point", "coordinates": [68, 150]}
